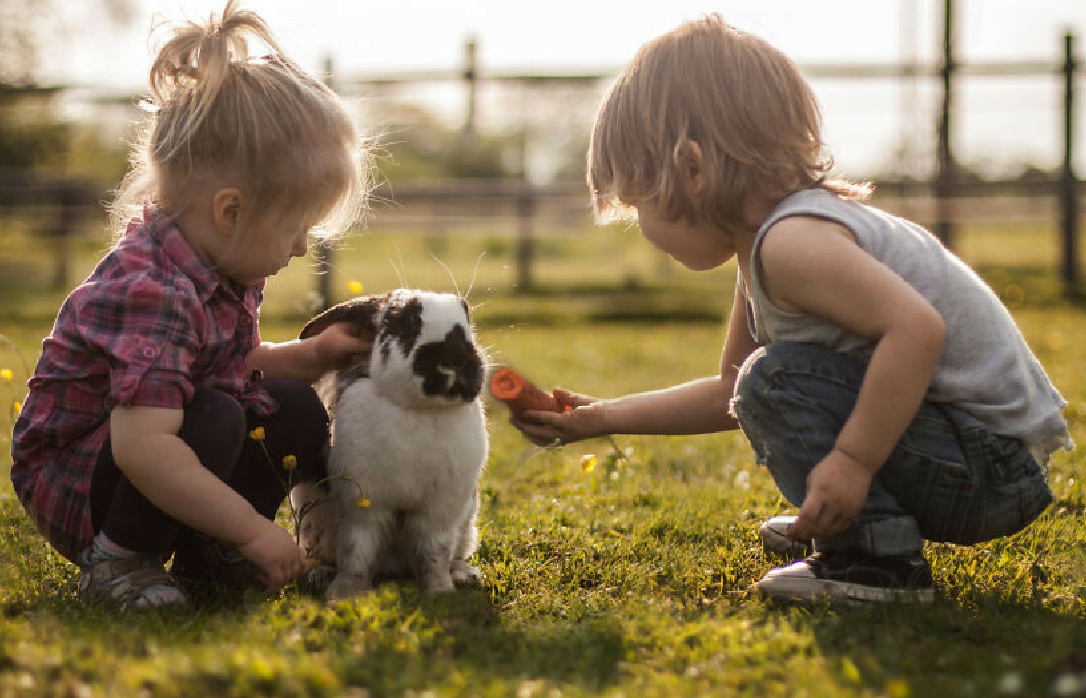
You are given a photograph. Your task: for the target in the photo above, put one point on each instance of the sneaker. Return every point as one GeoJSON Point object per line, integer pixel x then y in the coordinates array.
{"type": "Point", "coordinates": [852, 576]}
{"type": "Point", "coordinates": [774, 535]}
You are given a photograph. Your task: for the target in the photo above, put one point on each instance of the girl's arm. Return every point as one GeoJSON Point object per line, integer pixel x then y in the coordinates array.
{"type": "Point", "coordinates": [309, 359]}
{"type": "Point", "coordinates": [164, 469]}
{"type": "Point", "coordinates": [814, 266]}
{"type": "Point", "coordinates": [697, 407]}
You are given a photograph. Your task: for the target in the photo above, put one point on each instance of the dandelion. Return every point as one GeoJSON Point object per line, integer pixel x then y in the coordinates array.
{"type": "Point", "coordinates": [290, 462]}
{"type": "Point", "coordinates": [16, 408]}
{"type": "Point", "coordinates": [588, 462]}
{"type": "Point", "coordinates": [362, 502]}
{"type": "Point", "coordinates": [6, 374]}
{"type": "Point", "coordinates": [354, 287]}
{"type": "Point", "coordinates": [257, 434]}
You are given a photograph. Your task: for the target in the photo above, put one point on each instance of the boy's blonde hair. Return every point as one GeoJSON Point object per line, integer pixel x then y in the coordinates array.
{"type": "Point", "coordinates": [221, 117]}
{"type": "Point", "coordinates": [752, 115]}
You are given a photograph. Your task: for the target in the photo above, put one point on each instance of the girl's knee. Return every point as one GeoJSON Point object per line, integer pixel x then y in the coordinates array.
{"type": "Point", "coordinates": [213, 426]}
{"type": "Point", "coordinates": [297, 399]}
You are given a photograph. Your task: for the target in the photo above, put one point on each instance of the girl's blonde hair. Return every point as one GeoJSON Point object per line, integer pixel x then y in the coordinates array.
{"type": "Point", "coordinates": [218, 114]}
{"type": "Point", "coordinates": [752, 115]}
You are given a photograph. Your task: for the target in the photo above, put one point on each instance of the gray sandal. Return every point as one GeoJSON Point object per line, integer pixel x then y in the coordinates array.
{"type": "Point", "coordinates": [135, 582]}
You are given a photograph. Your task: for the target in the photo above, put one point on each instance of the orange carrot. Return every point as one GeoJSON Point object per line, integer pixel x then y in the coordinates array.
{"type": "Point", "coordinates": [518, 393]}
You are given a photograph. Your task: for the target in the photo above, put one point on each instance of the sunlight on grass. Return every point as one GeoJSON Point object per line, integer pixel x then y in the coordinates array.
{"type": "Point", "coordinates": [611, 567]}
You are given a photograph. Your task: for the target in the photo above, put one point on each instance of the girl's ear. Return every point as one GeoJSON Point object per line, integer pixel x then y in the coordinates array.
{"type": "Point", "coordinates": [226, 210]}
{"type": "Point", "coordinates": [689, 158]}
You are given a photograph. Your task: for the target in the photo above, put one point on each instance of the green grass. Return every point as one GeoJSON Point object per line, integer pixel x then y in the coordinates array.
{"type": "Point", "coordinates": [632, 579]}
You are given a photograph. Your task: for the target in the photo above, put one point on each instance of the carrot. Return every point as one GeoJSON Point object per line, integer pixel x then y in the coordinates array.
{"type": "Point", "coordinates": [519, 394]}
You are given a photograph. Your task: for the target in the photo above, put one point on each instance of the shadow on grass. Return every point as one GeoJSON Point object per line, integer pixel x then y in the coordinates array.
{"type": "Point", "coordinates": [979, 644]}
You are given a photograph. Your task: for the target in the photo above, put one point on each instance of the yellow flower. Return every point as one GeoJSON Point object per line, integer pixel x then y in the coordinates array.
{"type": "Point", "coordinates": [6, 374]}
{"type": "Point", "coordinates": [354, 287]}
{"type": "Point", "coordinates": [362, 502]}
{"type": "Point", "coordinates": [897, 688]}
{"type": "Point", "coordinates": [588, 462]}
{"type": "Point", "coordinates": [290, 462]}
{"type": "Point", "coordinates": [16, 408]}
{"type": "Point", "coordinates": [257, 434]}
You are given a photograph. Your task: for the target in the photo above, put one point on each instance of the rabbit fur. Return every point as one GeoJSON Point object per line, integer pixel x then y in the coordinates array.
{"type": "Point", "coordinates": [408, 444]}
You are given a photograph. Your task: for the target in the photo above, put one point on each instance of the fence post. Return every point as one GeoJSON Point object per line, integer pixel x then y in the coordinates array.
{"type": "Point", "coordinates": [471, 78]}
{"type": "Point", "coordinates": [525, 242]}
{"type": "Point", "coordinates": [322, 252]}
{"type": "Point", "coordinates": [944, 227]}
{"type": "Point", "coordinates": [1068, 180]}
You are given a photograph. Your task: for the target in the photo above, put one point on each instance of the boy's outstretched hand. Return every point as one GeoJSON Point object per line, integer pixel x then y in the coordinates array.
{"type": "Point", "coordinates": [584, 421]}
{"type": "Point", "coordinates": [836, 490]}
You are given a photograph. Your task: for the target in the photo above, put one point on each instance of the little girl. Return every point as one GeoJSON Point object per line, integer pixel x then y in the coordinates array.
{"type": "Point", "coordinates": [157, 422]}
{"type": "Point", "coordinates": [886, 388]}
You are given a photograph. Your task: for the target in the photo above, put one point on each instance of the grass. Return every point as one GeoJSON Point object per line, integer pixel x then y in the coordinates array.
{"type": "Point", "coordinates": [632, 578]}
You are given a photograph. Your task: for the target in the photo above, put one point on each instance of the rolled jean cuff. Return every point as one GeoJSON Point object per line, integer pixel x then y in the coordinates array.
{"type": "Point", "coordinates": [899, 535]}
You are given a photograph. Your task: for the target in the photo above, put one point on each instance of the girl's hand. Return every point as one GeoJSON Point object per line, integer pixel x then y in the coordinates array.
{"type": "Point", "coordinates": [579, 417]}
{"type": "Point", "coordinates": [337, 346]}
{"type": "Point", "coordinates": [836, 490]}
{"type": "Point", "coordinates": [275, 553]}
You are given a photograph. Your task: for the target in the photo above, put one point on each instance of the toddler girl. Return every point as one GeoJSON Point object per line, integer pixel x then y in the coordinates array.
{"type": "Point", "coordinates": [157, 422]}
{"type": "Point", "coordinates": [886, 388]}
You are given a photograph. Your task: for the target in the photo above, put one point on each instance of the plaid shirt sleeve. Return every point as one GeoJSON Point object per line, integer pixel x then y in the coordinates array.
{"type": "Point", "coordinates": [149, 331]}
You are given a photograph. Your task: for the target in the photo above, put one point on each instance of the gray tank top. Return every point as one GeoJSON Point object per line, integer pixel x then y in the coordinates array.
{"type": "Point", "coordinates": [986, 369]}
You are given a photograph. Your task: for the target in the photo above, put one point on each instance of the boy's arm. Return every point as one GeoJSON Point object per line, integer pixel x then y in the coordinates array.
{"type": "Point", "coordinates": [164, 469]}
{"type": "Point", "coordinates": [697, 407]}
{"type": "Point", "coordinates": [814, 266]}
{"type": "Point", "coordinates": [309, 359]}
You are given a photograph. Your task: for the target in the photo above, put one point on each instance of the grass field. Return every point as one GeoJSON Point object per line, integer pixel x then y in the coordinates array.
{"type": "Point", "coordinates": [631, 579]}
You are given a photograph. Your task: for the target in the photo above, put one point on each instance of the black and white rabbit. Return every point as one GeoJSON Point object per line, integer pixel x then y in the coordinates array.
{"type": "Point", "coordinates": [409, 442]}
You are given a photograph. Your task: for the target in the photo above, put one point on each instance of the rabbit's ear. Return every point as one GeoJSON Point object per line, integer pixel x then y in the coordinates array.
{"type": "Point", "coordinates": [361, 313]}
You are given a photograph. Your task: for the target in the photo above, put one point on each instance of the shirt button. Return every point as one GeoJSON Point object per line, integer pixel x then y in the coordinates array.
{"type": "Point", "coordinates": [148, 352]}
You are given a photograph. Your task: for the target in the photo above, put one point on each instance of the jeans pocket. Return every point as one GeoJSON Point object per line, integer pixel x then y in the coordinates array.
{"type": "Point", "coordinates": [933, 480]}
{"type": "Point", "coordinates": [1014, 488]}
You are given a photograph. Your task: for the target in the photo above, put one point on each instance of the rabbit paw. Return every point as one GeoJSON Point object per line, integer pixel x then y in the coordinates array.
{"type": "Point", "coordinates": [463, 573]}
{"type": "Point", "coordinates": [346, 586]}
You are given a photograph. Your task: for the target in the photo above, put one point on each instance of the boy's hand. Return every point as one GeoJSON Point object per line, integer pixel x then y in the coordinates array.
{"type": "Point", "coordinates": [275, 553]}
{"type": "Point", "coordinates": [579, 417]}
{"type": "Point", "coordinates": [836, 490]}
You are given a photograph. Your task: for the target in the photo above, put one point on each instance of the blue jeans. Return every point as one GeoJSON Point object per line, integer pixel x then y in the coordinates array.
{"type": "Point", "coordinates": [950, 478]}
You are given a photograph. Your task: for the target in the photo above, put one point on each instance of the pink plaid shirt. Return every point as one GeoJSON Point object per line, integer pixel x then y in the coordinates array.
{"type": "Point", "coordinates": [152, 323]}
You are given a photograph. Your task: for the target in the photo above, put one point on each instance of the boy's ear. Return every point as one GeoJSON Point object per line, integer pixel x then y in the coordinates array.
{"type": "Point", "coordinates": [226, 210]}
{"type": "Point", "coordinates": [690, 160]}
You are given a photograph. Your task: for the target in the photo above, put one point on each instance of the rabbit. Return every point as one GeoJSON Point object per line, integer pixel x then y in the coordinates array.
{"type": "Point", "coordinates": [409, 442]}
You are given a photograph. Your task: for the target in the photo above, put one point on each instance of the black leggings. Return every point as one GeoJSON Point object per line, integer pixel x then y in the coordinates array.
{"type": "Point", "coordinates": [216, 427]}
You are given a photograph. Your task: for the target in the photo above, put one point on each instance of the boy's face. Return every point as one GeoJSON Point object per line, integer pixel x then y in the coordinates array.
{"type": "Point", "coordinates": [697, 246]}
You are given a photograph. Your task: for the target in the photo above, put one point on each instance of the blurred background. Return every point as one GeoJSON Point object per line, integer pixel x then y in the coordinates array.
{"type": "Point", "coordinates": [967, 114]}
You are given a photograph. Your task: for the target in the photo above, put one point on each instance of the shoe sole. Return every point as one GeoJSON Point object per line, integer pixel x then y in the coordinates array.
{"type": "Point", "coordinates": [808, 589]}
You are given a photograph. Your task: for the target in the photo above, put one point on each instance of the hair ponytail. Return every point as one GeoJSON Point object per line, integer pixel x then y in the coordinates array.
{"type": "Point", "coordinates": [215, 109]}
{"type": "Point", "coordinates": [193, 65]}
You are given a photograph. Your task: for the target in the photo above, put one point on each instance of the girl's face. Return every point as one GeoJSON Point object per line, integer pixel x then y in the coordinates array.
{"type": "Point", "coordinates": [697, 246]}
{"type": "Point", "coordinates": [268, 248]}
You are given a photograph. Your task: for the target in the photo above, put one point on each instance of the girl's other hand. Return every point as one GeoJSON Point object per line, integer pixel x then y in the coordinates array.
{"type": "Point", "coordinates": [339, 346]}
{"type": "Point", "coordinates": [579, 417]}
{"type": "Point", "coordinates": [275, 553]}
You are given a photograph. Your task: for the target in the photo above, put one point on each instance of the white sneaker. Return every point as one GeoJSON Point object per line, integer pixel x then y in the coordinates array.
{"type": "Point", "coordinates": [851, 576]}
{"type": "Point", "coordinates": [774, 535]}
